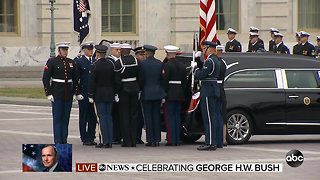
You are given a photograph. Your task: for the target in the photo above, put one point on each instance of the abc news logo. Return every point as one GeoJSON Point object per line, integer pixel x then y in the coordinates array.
{"type": "Point", "coordinates": [294, 158]}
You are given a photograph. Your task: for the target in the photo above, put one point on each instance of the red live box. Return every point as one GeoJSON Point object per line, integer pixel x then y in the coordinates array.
{"type": "Point", "coordinates": [86, 167]}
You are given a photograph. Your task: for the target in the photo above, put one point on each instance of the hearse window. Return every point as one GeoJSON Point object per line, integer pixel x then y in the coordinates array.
{"type": "Point", "coordinates": [301, 79]}
{"type": "Point", "coordinates": [252, 79]}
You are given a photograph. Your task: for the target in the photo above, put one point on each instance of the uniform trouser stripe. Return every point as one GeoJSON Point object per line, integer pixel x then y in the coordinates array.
{"type": "Point", "coordinates": [208, 113]}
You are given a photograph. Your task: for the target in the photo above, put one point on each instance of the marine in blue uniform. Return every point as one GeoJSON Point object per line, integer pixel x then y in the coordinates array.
{"type": "Point", "coordinates": [152, 94]}
{"type": "Point", "coordinates": [210, 94]}
{"type": "Point", "coordinates": [174, 81]}
{"type": "Point", "coordinates": [103, 85]}
{"type": "Point", "coordinates": [87, 116]}
{"type": "Point", "coordinates": [60, 81]}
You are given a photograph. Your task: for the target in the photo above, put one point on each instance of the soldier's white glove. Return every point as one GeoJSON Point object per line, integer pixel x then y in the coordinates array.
{"type": "Point", "coordinates": [197, 54]}
{"type": "Point", "coordinates": [79, 97]}
{"type": "Point", "coordinates": [163, 101]}
{"type": "Point", "coordinates": [139, 95]}
{"type": "Point", "coordinates": [116, 98]}
{"type": "Point", "coordinates": [50, 98]}
{"type": "Point", "coordinates": [193, 64]}
{"type": "Point", "coordinates": [91, 100]}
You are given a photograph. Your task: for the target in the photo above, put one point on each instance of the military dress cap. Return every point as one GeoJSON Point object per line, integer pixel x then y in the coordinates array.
{"type": "Point", "coordinates": [318, 38]}
{"type": "Point", "coordinates": [298, 34]}
{"type": "Point", "coordinates": [139, 50]}
{"type": "Point", "coordinates": [253, 29]}
{"type": "Point", "coordinates": [208, 44]}
{"type": "Point", "coordinates": [101, 48]}
{"type": "Point", "coordinates": [273, 30]}
{"type": "Point", "coordinates": [115, 45]}
{"type": "Point", "coordinates": [126, 46]}
{"type": "Point", "coordinates": [150, 48]}
{"type": "Point", "coordinates": [87, 45]}
{"type": "Point", "coordinates": [303, 33]}
{"type": "Point", "coordinates": [63, 44]}
{"type": "Point", "coordinates": [278, 34]}
{"type": "Point", "coordinates": [232, 31]}
{"type": "Point", "coordinates": [253, 34]}
{"type": "Point", "coordinates": [220, 48]}
{"type": "Point", "coordinates": [171, 48]}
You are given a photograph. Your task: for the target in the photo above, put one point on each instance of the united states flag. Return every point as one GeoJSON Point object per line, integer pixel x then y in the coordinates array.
{"type": "Point", "coordinates": [30, 158]}
{"type": "Point", "coordinates": [81, 13]}
{"type": "Point", "coordinates": [208, 30]}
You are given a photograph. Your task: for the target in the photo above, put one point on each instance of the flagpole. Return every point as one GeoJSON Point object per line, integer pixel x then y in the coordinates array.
{"type": "Point", "coordinates": [52, 44]}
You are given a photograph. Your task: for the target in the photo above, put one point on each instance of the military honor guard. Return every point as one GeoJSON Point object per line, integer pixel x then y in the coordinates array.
{"type": "Point", "coordinates": [115, 56]}
{"type": "Point", "coordinates": [317, 48]}
{"type": "Point", "coordinates": [255, 45]}
{"type": "Point", "coordinates": [297, 49]}
{"type": "Point", "coordinates": [60, 80]}
{"type": "Point", "coordinates": [132, 82]}
{"type": "Point", "coordinates": [306, 47]}
{"type": "Point", "coordinates": [210, 93]}
{"type": "Point", "coordinates": [103, 83]}
{"type": "Point", "coordinates": [233, 45]}
{"type": "Point", "coordinates": [174, 81]}
{"type": "Point", "coordinates": [272, 41]}
{"type": "Point", "coordinates": [256, 31]}
{"type": "Point", "coordinates": [280, 47]}
{"type": "Point", "coordinates": [152, 94]}
{"type": "Point", "coordinates": [87, 116]}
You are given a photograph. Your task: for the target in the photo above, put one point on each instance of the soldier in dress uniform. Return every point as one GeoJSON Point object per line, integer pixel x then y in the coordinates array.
{"type": "Point", "coordinates": [140, 55]}
{"type": "Point", "coordinates": [317, 47]}
{"type": "Point", "coordinates": [260, 41]}
{"type": "Point", "coordinates": [115, 56]}
{"type": "Point", "coordinates": [174, 82]}
{"type": "Point", "coordinates": [280, 47]}
{"type": "Point", "coordinates": [152, 94]}
{"type": "Point", "coordinates": [255, 45]}
{"type": "Point", "coordinates": [271, 42]}
{"type": "Point", "coordinates": [297, 49]}
{"type": "Point", "coordinates": [233, 45]}
{"type": "Point", "coordinates": [306, 47]}
{"type": "Point", "coordinates": [60, 80]}
{"type": "Point", "coordinates": [87, 115]}
{"type": "Point", "coordinates": [132, 82]}
{"type": "Point", "coordinates": [103, 84]}
{"type": "Point", "coordinates": [210, 94]}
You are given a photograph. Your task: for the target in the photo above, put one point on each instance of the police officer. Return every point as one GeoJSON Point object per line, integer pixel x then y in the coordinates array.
{"type": "Point", "coordinates": [115, 56]}
{"type": "Point", "coordinates": [132, 82]}
{"type": "Point", "coordinates": [87, 116]}
{"type": "Point", "coordinates": [103, 84]}
{"type": "Point", "coordinates": [260, 41]}
{"type": "Point", "coordinates": [233, 45]}
{"type": "Point", "coordinates": [152, 94]}
{"type": "Point", "coordinates": [210, 94]}
{"type": "Point", "coordinates": [280, 47]}
{"type": "Point", "coordinates": [297, 49]}
{"type": "Point", "coordinates": [307, 48]}
{"type": "Point", "coordinates": [60, 81]}
{"type": "Point", "coordinates": [317, 48]}
{"type": "Point", "coordinates": [174, 81]}
{"type": "Point", "coordinates": [140, 55]}
{"type": "Point", "coordinates": [255, 45]}
{"type": "Point", "coordinates": [272, 41]}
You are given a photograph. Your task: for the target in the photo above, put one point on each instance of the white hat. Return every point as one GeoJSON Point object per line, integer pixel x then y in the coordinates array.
{"type": "Point", "coordinates": [219, 48]}
{"type": "Point", "coordinates": [115, 45]}
{"type": "Point", "coordinates": [232, 31]}
{"type": "Point", "coordinates": [254, 34]}
{"type": "Point", "coordinates": [278, 34]}
{"type": "Point", "coordinates": [126, 46]}
{"type": "Point", "coordinates": [303, 33]}
{"type": "Point", "coordinates": [63, 44]}
{"type": "Point", "coordinates": [252, 28]}
{"type": "Point", "coordinates": [171, 48]}
{"type": "Point", "coordinates": [318, 38]}
{"type": "Point", "coordinates": [274, 30]}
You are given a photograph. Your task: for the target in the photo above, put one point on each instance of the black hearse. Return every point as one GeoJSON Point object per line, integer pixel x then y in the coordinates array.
{"type": "Point", "coordinates": [267, 94]}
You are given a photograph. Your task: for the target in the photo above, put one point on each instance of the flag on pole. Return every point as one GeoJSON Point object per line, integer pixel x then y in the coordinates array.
{"type": "Point", "coordinates": [81, 13]}
{"type": "Point", "coordinates": [208, 28]}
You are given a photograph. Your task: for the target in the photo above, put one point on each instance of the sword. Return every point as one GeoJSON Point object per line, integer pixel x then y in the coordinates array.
{"type": "Point", "coordinates": [98, 122]}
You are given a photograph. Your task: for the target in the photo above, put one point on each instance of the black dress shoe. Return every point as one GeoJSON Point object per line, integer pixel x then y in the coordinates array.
{"type": "Point", "coordinates": [100, 145]}
{"type": "Point", "coordinates": [117, 142]}
{"type": "Point", "coordinates": [109, 145]}
{"type": "Point", "coordinates": [89, 143]}
{"type": "Point", "coordinates": [219, 146]}
{"type": "Point", "coordinates": [149, 144]}
{"type": "Point", "coordinates": [140, 142]}
{"type": "Point", "coordinates": [157, 144]}
{"type": "Point", "coordinates": [125, 145]}
{"type": "Point", "coordinates": [207, 148]}
{"type": "Point", "coordinates": [225, 144]}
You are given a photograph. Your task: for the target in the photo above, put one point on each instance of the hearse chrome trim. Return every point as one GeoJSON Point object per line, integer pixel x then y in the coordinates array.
{"type": "Point", "coordinates": [295, 124]}
{"type": "Point", "coordinates": [280, 82]}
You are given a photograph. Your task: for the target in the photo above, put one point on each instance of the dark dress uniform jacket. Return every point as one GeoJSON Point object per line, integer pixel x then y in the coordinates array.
{"type": "Point", "coordinates": [281, 49]}
{"type": "Point", "coordinates": [173, 73]}
{"type": "Point", "coordinates": [308, 49]}
{"type": "Point", "coordinates": [297, 49]}
{"type": "Point", "coordinates": [233, 46]}
{"type": "Point", "coordinates": [255, 47]}
{"type": "Point", "coordinates": [83, 66]}
{"type": "Point", "coordinates": [152, 89]}
{"type": "Point", "coordinates": [260, 41]}
{"type": "Point", "coordinates": [272, 45]}
{"type": "Point", "coordinates": [209, 75]}
{"type": "Point", "coordinates": [103, 81]}
{"type": "Point", "coordinates": [61, 69]}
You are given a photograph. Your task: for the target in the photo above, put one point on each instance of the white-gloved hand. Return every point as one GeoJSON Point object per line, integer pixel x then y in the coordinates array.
{"type": "Point", "coordinates": [193, 64]}
{"type": "Point", "coordinates": [163, 100]}
{"type": "Point", "coordinates": [139, 95]}
{"type": "Point", "coordinates": [50, 98]}
{"type": "Point", "coordinates": [197, 54]}
{"type": "Point", "coordinates": [116, 98]}
{"type": "Point", "coordinates": [91, 100]}
{"type": "Point", "coordinates": [79, 97]}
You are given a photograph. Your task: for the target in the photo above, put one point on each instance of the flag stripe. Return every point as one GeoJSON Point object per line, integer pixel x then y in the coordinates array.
{"type": "Point", "coordinates": [207, 21]}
